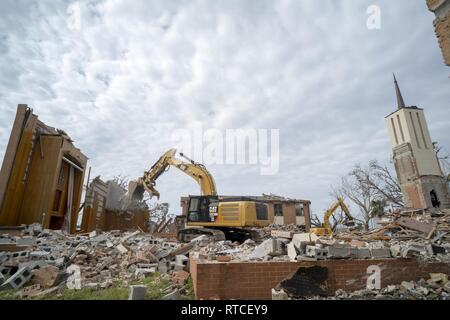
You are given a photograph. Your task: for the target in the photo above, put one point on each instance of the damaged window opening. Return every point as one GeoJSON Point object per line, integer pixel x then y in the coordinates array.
{"type": "Point", "coordinates": [278, 209]}
{"type": "Point", "coordinates": [299, 210]}
{"type": "Point", "coordinates": [434, 199]}
{"type": "Point", "coordinates": [261, 211]}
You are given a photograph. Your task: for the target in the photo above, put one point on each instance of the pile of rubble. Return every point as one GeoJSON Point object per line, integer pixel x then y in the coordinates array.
{"type": "Point", "coordinates": [437, 287]}
{"type": "Point", "coordinates": [224, 251]}
{"type": "Point", "coordinates": [50, 260]}
{"type": "Point", "coordinates": [268, 232]}
{"type": "Point", "coordinates": [419, 233]}
{"type": "Point", "coordinates": [411, 233]}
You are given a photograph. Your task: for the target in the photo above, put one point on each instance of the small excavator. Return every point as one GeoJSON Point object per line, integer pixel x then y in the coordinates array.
{"type": "Point", "coordinates": [209, 214]}
{"type": "Point", "coordinates": [325, 229]}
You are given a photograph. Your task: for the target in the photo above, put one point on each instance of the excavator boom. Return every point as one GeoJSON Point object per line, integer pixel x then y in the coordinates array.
{"type": "Point", "coordinates": [148, 181]}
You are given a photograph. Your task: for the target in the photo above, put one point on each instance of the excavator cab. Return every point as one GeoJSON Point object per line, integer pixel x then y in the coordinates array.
{"type": "Point", "coordinates": [202, 208]}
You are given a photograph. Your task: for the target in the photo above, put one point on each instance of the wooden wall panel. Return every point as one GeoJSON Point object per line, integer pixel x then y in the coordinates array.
{"type": "Point", "coordinates": [9, 214]}
{"type": "Point", "coordinates": [11, 149]}
{"type": "Point", "coordinates": [30, 172]}
{"type": "Point", "coordinates": [40, 186]}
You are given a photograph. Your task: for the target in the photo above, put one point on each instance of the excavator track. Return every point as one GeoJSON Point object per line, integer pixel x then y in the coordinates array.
{"type": "Point", "coordinates": [220, 234]}
{"type": "Point", "coordinates": [186, 235]}
{"type": "Point", "coordinates": [240, 234]}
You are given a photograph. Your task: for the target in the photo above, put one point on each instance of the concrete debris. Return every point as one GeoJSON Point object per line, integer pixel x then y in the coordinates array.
{"type": "Point", "coordinates": [18, 279]}
{"type": "Point", "coordinates": [138, 292]}
{"type": "Point", "coordinates": [55, 259]}
{"type": "Point", "coordinates": [284, 230]}
{"type": "Point", "coordinates": [279, 295]}
{"type": "Point", "coordinates": [281, 234]}
{"type": "Point", "coordinates": [301, 240]}
{"type": "Point", "coordinates": [30, 291]}
{"type": "Point", "coordinates": [408, 290]}
{"type": "Point", "coordinates": [201, 240]}
{"type": "Point", "coordinates": [270, 247]}
{"type": "Point", "coordinates": [316, 252]}
{"type": "Point", "coordinates": [180, 277]}
{"type": "Point", "coordinates": [122, 249]}
{"type": "Point", "coordinates": [46, 276]}
{"type": "Point", "coordinates": [174, 295]}
{"type": "Point", "coordinates": [292, 251]}
{"type": "Point", "coordinates": [436, 278]}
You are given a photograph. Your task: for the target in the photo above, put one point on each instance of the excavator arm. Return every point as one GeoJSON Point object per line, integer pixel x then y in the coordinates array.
{"type": "Point", "coordinates": [332, 209]}
{"type": "Point", "coordinates": [199, 173]}
{"type": "Point", "coordinates": [325, 229]}
{"type": "Point", "coordinates": [195, 170]}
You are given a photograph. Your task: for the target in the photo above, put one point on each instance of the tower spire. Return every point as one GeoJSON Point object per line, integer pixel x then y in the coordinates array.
{"type": "Point", "coordinates": [400, 102]}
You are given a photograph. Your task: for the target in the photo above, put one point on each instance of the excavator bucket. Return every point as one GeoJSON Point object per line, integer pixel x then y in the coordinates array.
{"type": "Point", "coordinates": [135, 191]}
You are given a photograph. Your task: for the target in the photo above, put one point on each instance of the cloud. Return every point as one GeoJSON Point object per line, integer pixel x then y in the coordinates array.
{"type": "Point", "coordinates": [133, 73]}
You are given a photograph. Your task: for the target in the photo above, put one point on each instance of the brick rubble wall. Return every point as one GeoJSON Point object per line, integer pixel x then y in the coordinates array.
{"type": "Point", "coordinates": [441, 8]}
{"type": "Point", "coordinates": [254, 280]}
{"type": "Point", "coordinates": [442, 27]}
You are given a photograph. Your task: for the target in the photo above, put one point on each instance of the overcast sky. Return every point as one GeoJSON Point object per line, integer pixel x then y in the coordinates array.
{"type": "Point", "coordinates": [126, 75]}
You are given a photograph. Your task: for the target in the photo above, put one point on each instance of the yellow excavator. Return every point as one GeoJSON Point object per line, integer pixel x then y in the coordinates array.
{"type": "Point", "coordinates": [222, 218]}
{"type": "Point", "coordinates": [325, 229]}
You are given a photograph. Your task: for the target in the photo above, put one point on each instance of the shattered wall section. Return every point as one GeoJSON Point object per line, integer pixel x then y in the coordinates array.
{"type": "Point", "coordinates": [124, 220]}
{"type": "Point", "coordinates": [117, 198]}
{"type": "Point", "coordinates": [94, 205]}
{"type": "Point", "coordinates": [441, 8]}
{"type": "Point", "coordinates": [255, 280]}
{"type": "Point", "coordinates": [122, 212]}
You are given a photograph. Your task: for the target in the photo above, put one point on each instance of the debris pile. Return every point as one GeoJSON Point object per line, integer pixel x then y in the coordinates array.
{"type": "Point", "coordinates": [283, 231]}
{"type": "Point", "coordinates": [215, 251]}
{"type": "Point", "coordinates": [47, 260]}
{"type": "Point", "coordinates": [422, 234]}
{"type": "Point", "coordinates": [437, 287]}
{"type": "Point", "coordinates": [411, 233]}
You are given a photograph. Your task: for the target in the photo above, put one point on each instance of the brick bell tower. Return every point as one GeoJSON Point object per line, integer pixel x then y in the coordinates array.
{"type": "Point", "coordinates": [418, 170]}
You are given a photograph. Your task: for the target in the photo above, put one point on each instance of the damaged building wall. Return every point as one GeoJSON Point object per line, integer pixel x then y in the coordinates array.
{"type": "Point", "coordinates": [107, 207]}
{"type": "Point", "coordinates": [281, 210]}
{"type": "Point", "coordinates": [124, 221]}
{"type": "Point", "coordinates": [285, 211]}
{"type": "Point", "coordinates": [417, 188]}
{"type": "Point", "coordinates": [42, 175]}
{"type": "Point", "coordinates": [418, 170]}
{"type": "Point", "coordinates": [94, 205]}
{"type": "Point", "coordinates": [255, 280]}
{"type": "Point", "coordinates": [441, 9]}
